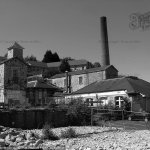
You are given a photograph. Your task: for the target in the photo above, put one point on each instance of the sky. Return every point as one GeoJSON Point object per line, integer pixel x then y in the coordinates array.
{"type": "Point", "coordinates": [72, 29]}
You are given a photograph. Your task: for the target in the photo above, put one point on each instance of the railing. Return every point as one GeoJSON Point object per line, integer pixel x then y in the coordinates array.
{"type": "Point", "coordinates": [103, 115]}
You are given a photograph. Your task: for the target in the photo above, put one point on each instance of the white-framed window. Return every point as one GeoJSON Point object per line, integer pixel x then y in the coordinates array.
{"type": "Point", "coordinates": [119, 102]}
{"type": "Point", "coordinates": [80, 80]}
{"type": "Point", "coordinates": [103, 101]}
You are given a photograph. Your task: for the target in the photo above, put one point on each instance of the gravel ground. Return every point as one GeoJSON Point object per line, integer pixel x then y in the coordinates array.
{"type": "Point", "coordinates": [89, 138]}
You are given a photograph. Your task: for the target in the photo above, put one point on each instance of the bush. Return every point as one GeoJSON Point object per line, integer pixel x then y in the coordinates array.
{"type": "Point", "coordinates": [47, 133]}
{"type": "Point", "coordinates": [78, 113]}
{"type": "Point", "coordinates": [69, 133]}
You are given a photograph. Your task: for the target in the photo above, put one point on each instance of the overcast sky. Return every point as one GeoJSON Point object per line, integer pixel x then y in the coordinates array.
{"type": "Point", "coordinates": [72, 28]}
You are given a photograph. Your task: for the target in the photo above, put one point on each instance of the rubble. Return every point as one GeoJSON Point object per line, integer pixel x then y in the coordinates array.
{"type": "Point", "coordinates": [89, 138]}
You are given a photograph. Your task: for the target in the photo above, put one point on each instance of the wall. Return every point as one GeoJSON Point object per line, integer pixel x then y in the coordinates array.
{"type": "Point", "coordinates": [15, 90]}
{"type": "Point", "coordinates": [111, 73]}
{"type": "Point", "coordinates": [59, 82]}
{"type": "Point", "coordinates": [2, 83]}
{"type": "Point", "coordinates": [96, 76]}
{"type": "Point", "coordinates": [32, 119]}
{"type": "Point", "coordinates": [95, 96]}
{"type": "Point", "coordinates": [88, 78]}
{"type": "Point", "coordinates": [75, 82]}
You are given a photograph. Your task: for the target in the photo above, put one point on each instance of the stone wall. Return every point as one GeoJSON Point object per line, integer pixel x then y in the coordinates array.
{"type": "Point", "coordinates": [75, 85]}
{"type": "Point", "coordinates": [88, 78]}
{"type": "Point", "coordinates": [2, 83]}
{"type": "Point", "coordinates": [15, 86]}
{"type": "Point", "coordinates": [60, 82]}
{"type": "Point", "coordinates": [96, 76]}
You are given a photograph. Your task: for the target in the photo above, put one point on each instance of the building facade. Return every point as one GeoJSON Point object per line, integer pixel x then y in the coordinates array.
{"type": "Point", "coordinates": [13, 77]}
{"type": "Point", "coordinates": [73, 81]}
{"type": "Point", "coordinates": [115, 92]}
{"type": "Point", "coordinates": [39, 92]}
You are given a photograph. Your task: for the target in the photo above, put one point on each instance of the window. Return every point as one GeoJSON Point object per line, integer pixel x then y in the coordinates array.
{"type": "Point", "coordinates": [89, 101]}
{"type": "Point", "coordinates": [103, 101]}
{"type": "Point", "coordinates": [119, 102]}
{"type": "Point", "coordinates": [15, 76]}
{"type": "Point", "coordinates": [80, 80]}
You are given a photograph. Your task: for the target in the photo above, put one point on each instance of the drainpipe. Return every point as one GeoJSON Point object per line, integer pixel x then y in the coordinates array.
{"type": "Point", "coordinates": [66, 74]}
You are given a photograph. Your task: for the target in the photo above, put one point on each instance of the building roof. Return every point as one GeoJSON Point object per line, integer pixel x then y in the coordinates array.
{"type": "Point", "coordinates": [42, 85]}
{"type": "Point", "coordinates": [2, 58]}
{"type": "Point", "coordinates": [131, 84]}
{"type": "Point", "coordinates": [77, 62]}
{"type": "Point", "coordinates": [83, 71]}
{"type": "Point", "coordinates": [71, 63]}
{"type": "Point", "coordinates": [54, 64]}
{"type": "Point", "coordinates": [37, 64]}
{"type": "Point", "coordinates": [15, 46]}
{"type": "Point", "coordinates": [6, 60]}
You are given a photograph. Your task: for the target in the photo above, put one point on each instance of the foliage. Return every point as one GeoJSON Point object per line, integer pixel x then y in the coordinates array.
{"type": "Point", "coordinates": [89, 65]}
{"type": "Point", "coordinates": [30, 58]}
{"type": "Point", "coordinates": [69, 133]}
{"type": "Point", "coordinates": [78, 112]}
{"type": "Point", "coordinates": [64, 66]}
{"type": "Point", "coordinates": [47, 133]}
{"type": "Point", "coordinates": [50, 57]}
{"type": "Point", "coordinates": [96, 64]}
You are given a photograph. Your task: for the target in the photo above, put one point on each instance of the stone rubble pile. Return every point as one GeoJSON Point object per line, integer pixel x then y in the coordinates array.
{"type": "Point", "coordinates": [89, 138]}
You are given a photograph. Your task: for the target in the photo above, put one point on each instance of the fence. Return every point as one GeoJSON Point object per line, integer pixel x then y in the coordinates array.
{"type": "Point", "coordinates": [32, 118]}
{"type": "Point", "coordinates": [108, 117]}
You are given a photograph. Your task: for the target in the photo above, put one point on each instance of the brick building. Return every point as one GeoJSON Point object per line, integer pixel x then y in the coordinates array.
{"type": "Point", "coordinates": [73, 81]}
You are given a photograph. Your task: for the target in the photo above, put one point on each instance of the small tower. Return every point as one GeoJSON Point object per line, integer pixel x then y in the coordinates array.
{"type": "Point", "coordinates": [15, 51]}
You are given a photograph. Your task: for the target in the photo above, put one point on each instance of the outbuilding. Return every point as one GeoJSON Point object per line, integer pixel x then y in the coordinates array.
{"type": "Point", "coordinates": [116, 91]}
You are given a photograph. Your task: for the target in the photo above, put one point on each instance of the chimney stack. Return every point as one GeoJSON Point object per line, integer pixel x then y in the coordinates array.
{"type": "Point", "coordinates": [104, 59]}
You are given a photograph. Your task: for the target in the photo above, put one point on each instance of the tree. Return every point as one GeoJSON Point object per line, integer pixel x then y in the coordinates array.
{"type": "Point", "coordinates": [64, 66]}
{"type": "Point", "coordinates": [50, 57]}
{"type": "Point", "coordinates": [97, 64]}
{"type": "Point", "coordinates": [30, 58]}
{"type": "Point", "coordinates": [55, 57]}
{"type": "Point", "coordinates": [89, 65]}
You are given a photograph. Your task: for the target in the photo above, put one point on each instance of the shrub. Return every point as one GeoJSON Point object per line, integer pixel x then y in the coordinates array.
{"type": "Point", "coordinates": [69, 133]}
{"type": "Point", "coordinates": [47, 133]}
{"type": "Point", "coordinates": [78, 112]}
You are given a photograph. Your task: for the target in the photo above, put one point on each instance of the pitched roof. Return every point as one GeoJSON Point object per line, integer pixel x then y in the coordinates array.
{"type": "Point", "coordinates": [54, 64]}
{"type": "Point", "coordinates": [37, 64]}
{"type": "Point", "coordinates": [15, 46]}
{"type": "Point", "coordinates": [131, 84]}
{"type": "Point", "coordinates": [2, 58]}
{"type": "Point", "coordinates": [83, 71]}
{"type": "Point", "coordinates": [6, 60]}
{"type": "Point", "coordinates": [41, 84]}
{"type": "Point", "coordinates": [77, 62]}
{"type": "Point", "coordinates": [71, 63]}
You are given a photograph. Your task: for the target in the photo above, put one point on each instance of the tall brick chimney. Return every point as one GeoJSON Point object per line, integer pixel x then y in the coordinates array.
{"type": "Point", "coordinates": [104, 56]}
